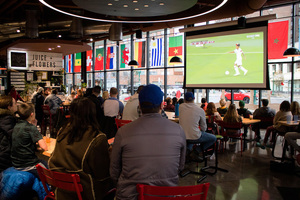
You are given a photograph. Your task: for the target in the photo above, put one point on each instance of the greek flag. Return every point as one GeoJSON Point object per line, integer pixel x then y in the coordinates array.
{"type": "Point", "coordinates": [156, 53]}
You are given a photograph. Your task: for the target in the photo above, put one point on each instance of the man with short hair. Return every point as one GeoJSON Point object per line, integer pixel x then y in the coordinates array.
{"type": "Point", "coordinates": [262, 112]}
{"type": "Point", "coordinates": [53, 101]}
{"type": "Point", "coordinates": [131, 108]}
{"type": "Point", "coordinates": [149, 150]}
{"type": "Point", "coordinates": [99, 111]}
{"type": "Point", "coordinates": [191, 116]}
{"type": "Point", "coordinates": [112, 108]}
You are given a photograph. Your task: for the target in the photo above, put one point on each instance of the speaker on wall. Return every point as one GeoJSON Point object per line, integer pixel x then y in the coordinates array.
{"type": "Point", "coordinates": [138, 34]}
{"type": "Point", "coordinates": [242, 22]}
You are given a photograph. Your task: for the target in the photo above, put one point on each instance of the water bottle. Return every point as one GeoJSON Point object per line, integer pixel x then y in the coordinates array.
{"type": "Point", "coordinates": [48, 135]}
{"type": "Point", "coordinates": [177, 110]}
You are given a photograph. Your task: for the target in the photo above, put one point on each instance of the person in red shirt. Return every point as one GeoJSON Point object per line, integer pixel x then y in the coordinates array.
{"type": "Point", "coordinates": [14, 94]}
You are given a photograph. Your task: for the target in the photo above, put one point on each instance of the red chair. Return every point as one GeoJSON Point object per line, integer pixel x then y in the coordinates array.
{"type": "Point", "coordinates": [70, 182]}
{"type": "Point", "coordinates": [46, 116]}
{"type": "Point", "coordinates": [121, 122]}
{"type": "Point", "coordinates": [195, 192]}
{"type": "Point", "coordinates": [232, 130]}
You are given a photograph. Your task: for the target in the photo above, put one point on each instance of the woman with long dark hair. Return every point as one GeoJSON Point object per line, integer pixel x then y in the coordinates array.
{"type": "Point", "coordinates": [81, 148]}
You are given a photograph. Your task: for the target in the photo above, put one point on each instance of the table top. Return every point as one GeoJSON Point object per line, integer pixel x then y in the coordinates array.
{"type": "Point", "coordinates": [286, 123]}
{"type": "Point", "coordinates": [171, 116]}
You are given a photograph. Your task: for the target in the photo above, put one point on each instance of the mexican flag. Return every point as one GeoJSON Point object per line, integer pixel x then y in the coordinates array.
{"type": "Point", "coordinates": [77, 65]}
{"type": "Point", "coordinates": [175, 47]}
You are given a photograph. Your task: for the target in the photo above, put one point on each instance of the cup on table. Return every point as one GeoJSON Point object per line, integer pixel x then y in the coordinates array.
{"type": "Point", "coordinates": [250, 116]}
{"type": "Point", "coordinates": [289, 118]}
{"type": "Point", "coordinates": [295, 118]}
{"type": "Point", "coordinates": [48, 139]}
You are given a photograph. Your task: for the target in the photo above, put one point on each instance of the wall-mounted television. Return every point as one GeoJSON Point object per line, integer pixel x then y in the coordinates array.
{"type": "Point", "coordinates": [235, 58]}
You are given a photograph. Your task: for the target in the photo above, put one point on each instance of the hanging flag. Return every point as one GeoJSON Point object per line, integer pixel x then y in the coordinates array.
{"type": "Point", "coordinates": [110, 58]}
{"type": "Point", "coordinates": [278, 33]}
{"type": "Point", "coordinates": [139, 53]}
{"type": "Point", "coordinates": [69, 64]}
{"type": "Point", "coordinates": [99, 59]}
{"type": "Point", "coordinates": [124, 58]}
{"type": "Point", "coordinates": [77, 65]}
{"type": "Point", "coordinates": [156, 52]}
{"type": "Point", "coordinates": [89, 60]}
{"type": "Point", "coordinates": [175, 47]}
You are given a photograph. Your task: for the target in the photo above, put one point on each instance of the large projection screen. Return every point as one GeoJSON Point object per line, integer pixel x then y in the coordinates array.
{"type": "Point", "coordinates": [211, 59]}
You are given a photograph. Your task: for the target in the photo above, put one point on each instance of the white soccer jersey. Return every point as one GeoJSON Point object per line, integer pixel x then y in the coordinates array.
{"type": "Point", "coordinates": [238, 53]}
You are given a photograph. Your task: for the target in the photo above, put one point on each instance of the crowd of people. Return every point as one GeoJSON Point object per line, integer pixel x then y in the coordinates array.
{"type": "Point", "coordinates": [140, 148]}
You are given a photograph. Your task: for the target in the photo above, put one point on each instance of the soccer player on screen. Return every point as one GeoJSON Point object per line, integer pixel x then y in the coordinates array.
{"type": "Point", "coordinates": [238, 63]}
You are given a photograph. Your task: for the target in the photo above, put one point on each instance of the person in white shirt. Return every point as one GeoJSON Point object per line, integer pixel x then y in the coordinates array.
{"type": "Point", "coordinates": [131, 108]}
{"type": "Point", "coordinates": [191, 116]}
{"type": "Point", "coordinates": [238, 63]}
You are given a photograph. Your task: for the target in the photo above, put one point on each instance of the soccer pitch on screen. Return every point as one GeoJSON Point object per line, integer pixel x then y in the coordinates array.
{"type": "Point", "coordinates": [209, 62]}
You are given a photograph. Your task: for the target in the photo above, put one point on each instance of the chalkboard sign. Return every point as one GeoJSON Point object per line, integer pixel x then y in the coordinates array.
{"type": "Point", "coordinates": [18, 59]}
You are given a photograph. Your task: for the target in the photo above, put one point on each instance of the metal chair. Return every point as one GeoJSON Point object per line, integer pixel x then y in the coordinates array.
{"type": "Point", "coordinates": [194, 192]}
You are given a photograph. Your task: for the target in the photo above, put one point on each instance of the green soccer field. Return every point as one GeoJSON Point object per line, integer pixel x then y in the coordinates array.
{"type": "Point", "coordinates": [207, 64]}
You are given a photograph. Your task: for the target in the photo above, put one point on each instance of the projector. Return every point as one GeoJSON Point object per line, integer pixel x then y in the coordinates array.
{"type": "Point", "coordinates": [227, 72]}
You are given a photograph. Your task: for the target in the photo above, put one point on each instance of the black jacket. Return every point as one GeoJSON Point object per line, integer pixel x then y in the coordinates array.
{"type": "Point", "coordinates": [7, 123]}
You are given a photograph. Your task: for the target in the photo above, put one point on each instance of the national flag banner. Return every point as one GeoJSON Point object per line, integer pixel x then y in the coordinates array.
{"type": "Point", "coordinates": [139, 53]}
{"type": "Point", "coordinates": [110, 57]}
{"type": "Point", "coordinates": [175, 47]}
{"type": "Point", "coordinates": [278, 33]}
{"type": "Point", "coordinates": [156, 52]}
{"type": "Point", "coordinates": [99, 61]}
{"type": "Point", "coordinates": [89, 60]}
{"type": "Point", "coordinates": [125, 54]}
{"type": "Point", "coordinates": [69, 64]}
{"type": "Point", "coordinates": [77, 65]}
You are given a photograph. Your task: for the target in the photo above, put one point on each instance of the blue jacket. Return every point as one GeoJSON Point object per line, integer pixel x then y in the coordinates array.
{"type": "Point", "coordinates": [15, 182]}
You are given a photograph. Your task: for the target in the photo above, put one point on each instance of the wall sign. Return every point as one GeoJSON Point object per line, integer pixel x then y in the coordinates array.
{"type": "Point", "coordinates": [35, 61]}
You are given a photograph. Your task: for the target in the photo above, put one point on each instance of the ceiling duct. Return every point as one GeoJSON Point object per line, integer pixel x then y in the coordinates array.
{"type": "Point", "coordinates": [32, 24]}
{"type": "Point", "coordinates": [115, 32]}
{"type": "Point", "coordinates": [76, 28]}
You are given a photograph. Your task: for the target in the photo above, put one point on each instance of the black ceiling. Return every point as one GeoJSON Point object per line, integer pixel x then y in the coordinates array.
{"type": "Point", "coordinates": [51, 23]}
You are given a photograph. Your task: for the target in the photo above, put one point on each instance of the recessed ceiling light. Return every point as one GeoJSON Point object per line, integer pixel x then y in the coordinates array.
{"type": "Point", "coordinates": [116, 0]}
{"type": "Point", "coordinates": [136, 9]}
{"type": "Point", "coordinates": [161, 4]}
{"type": "Point", "coordinates": [59, 36]}
{"type": "Point", "coordinates": [146, 6]}
{"type": "Point", "coordinates": [125, 5]}
{"type": "Point", "coordinates": [49, 49]}
{"type": "Point", "coordinates": [58, 46]}
{"type": "Point", "coordinates": [18, 31]}
{"type": "Point", "coordinates": [110, 4]}
{"type": "Point", "coordinates": [91, 39]}
{"type": "Point", "coordinates": [134, 1]}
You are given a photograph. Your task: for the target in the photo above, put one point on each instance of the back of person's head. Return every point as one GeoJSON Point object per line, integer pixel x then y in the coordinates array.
{"type": "Point", "coordinates": [88, 92]}
{"type": "Point", "coordinates": [203, 100]}
{"type": "Point", "coordinates": [222, 102]}
{"type": "Point", "coordinates": [168, 100]}
{"type": "Point", "coordinates": [174, 100]}
{"type": "Point", "coordinates": [181, 100]}
{"type": "Point", "coordinates": [54, 91]}
{"type": "Point", "coordinates": [105, 95]}
{"type": "Point", "coordinates": [6, 101]}
{"type": "Point", "coordinates": [82, 116]}
{"type": "Point", "coordinates": [113, 91]}
{"type": "Point", "coordinates": [97, 89]}
{"type": "Point", "coordinates": [73, 93]}
{"type": "Point", "coordinates": [139, 89]}
{"type": "Point", "coordinates": [241, 104]}
{"type": "Point", "coordinates": [211, 108]}
{"type": "Point", "coordinates": [285, 106]}
{"type": "Point", "coordinates": [150, 99]}
{"type": "Point", "coordinates": [189, 97]}
{"type": "Point", "coordinates": [265, 102]}
{"type": "Point", "coordinates": [295, 109]}
{"type": "Point", "coordinates": [40, 89]}
{"type": "Point", "coordinates": [25, 110]}
{"type": "Point", "coordinates": [231, 115]}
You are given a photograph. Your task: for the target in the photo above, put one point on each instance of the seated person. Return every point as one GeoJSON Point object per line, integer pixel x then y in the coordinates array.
{"type": "Point", "coordinates": [25, 138]}
{"type": "Point", "coordinates": [223, 109]}
{"type": "Point", "coordinates": [211, 110]}
{"type": "Point", "coordinates": [295, 109]}
{"type": "Point", "coordinates": [169, 107]}
{"type": "Point", "coordinates": [85, 151]}
{"type": "Point", "coordinates": [232, 117]}
{"type": "Point", "coordinates": [53, 101]}
{"type": "Point", "coordinates": [262, 112]}
{"type": "Point", "coordinates": [282, 115]}
{"type": "Point", "coordinates": [291, 138]}
{"type": "Point", "coordinates": [191, 116]}
{"type": "Point", "coordinates": [244, 112]}
{"type": "Point", "coordinates": [71, 97]}
{"type": "Point", "coordinates": [203, 104]}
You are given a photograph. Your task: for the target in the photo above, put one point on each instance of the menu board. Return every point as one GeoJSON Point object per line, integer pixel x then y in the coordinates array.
{"type": "Point", "coordinates": [18, 80]}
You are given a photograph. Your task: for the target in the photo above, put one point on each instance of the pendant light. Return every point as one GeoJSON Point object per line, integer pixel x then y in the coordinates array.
{"type": "Point", "coordinates": [291, 52]}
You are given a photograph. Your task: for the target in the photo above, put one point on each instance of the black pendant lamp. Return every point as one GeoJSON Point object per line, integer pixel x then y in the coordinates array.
{"type": "Point", "coordinates": [175, 60]}
{"type": "Point", "coordinates": [133, 63]}
{"type": "Point", "coordinates": [291, 52]}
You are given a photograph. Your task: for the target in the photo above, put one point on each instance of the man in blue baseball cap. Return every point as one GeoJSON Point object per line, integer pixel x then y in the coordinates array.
{"type": "Point", "coordinates": [191, 117]}
{"type": "Point", "coordinates": [143, 146]}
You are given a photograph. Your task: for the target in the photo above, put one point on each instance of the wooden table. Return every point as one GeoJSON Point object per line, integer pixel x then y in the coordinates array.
{"type": "Point", "coordinates": [171, 116]}
{"type": "Point", "coordinates": [288, 124]}
{"type": "Point", "coordinates": [248, 121]}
